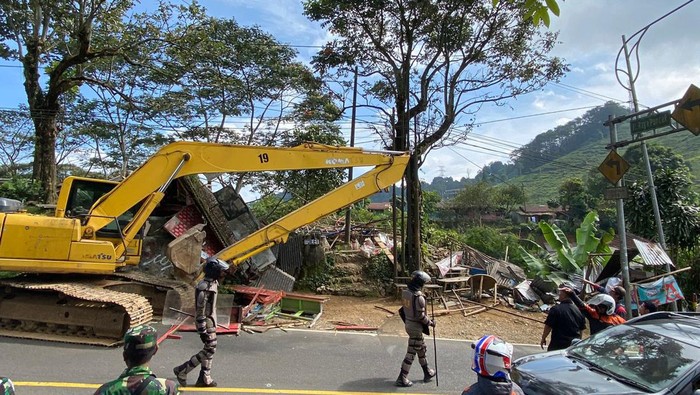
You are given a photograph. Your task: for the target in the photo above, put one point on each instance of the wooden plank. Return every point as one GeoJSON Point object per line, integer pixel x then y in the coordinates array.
{"type": "Point", "coordinates": [477, 311]}
{"type": "Point", "coordinates": [448, 312]}
{"type": "Point", "coordinates": [505, 311]}
{"type": "Point", "coordinates": [385, 309]}
{"type": "Point", "coordinates": [384, 248]}
{"type": "Point", "coordinates": [459, 300]}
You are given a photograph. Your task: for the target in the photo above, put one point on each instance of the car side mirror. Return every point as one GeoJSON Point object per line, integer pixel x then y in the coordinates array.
{"type": "Point", "coordinates": [574, 341]}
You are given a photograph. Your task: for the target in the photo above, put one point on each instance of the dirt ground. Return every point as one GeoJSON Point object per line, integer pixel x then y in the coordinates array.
{"type": "Point", "coordinates": [370, 312]}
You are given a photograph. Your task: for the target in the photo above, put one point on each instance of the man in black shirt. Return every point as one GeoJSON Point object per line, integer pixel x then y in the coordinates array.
{"type": "Point", "coordinates": [565, 321]}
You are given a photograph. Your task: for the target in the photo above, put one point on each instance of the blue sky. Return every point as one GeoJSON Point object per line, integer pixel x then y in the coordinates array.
{"type": "Point", "coordinates": [590, 34]}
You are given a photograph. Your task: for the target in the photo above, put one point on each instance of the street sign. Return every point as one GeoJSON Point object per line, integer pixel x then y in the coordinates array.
{"type": "Point", "coordinates": [614, 167]}
{"type": "Point", "coordinates": [650, 122]}
{"type": "Point", "coordinates": [687, 112]}
{"type": "Point", "coordinates": [616, 193]}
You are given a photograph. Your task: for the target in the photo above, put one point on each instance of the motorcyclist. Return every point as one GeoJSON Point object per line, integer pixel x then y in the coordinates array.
{"type": "Point", "coordinates": [491, 362]}
{"type": "Point", "coordinates": [205, 321]}
{"type": "Point", "coordinates": [416, 323]}
{"type": "Point", "coordinates": [600, 311]}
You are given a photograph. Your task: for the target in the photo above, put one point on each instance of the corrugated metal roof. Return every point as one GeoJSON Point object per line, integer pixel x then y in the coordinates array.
{"type": "Point", "coordinates": [652, 254]}
{"type": "Point", "coordinates": [275, 279]}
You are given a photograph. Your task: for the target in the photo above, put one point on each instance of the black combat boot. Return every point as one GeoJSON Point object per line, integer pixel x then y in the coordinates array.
{"type": "Point", "coordinates": [201, 382]}
{"type": "Point", "coordinates": [403, 381]}
{"type": "Point", "coordinates": [181, 373]}
{"type": "Point", "coordinates": [428, 374]}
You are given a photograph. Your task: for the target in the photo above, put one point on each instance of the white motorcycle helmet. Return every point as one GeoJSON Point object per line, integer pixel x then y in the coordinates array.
{"type": "Point", "coordinates": [605, 300]}
{"type": "Point", "coordinates": [492, 357]}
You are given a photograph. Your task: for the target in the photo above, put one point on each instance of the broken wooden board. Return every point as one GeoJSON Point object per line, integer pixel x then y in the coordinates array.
{"type": "Point", "coordinates": [384, 248]}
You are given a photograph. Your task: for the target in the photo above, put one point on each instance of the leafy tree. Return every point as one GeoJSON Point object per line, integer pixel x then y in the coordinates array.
{"type": "Point", "coordinates": [574, 198]}
{"type": "Point", "coordinates": [313, 119]}
{"type": "Point", "coordinates": [474, 200]}
{"type": "Point", "coordinates": [678, 204]}
{"type": "Point", "coordinates": [660, 157]}
{"type": "Point", "coordinates": [435, 62]}
{"type": "Point", "coordinates": [483, 238]}
{"type": "Point", "coordinates": [234, 84]}
{"type": "Point", "coordinates": [430, 202]}
{"type": "Point", "coordinates": [509, 196]}
{"type": "Point", "coordinates": [307, 185]}
{"type": "Point", "coordinates": [678, 208]}
{"type": "Point", "coordinates": [15, 141]}
{"type": "Point", "coordinates": [21, 188]}
{"type": "Point", "coordinates": [539, 10]}
{"type": "Point", "coordinates": [58, 42]}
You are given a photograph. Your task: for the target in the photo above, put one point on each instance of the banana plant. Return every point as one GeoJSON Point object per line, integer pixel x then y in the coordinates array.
{"type": "Point", "coordinates": [565, 258]}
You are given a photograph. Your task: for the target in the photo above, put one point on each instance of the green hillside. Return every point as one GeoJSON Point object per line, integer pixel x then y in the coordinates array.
{"type": "Point", "coordinates": [542, 184]}
{"type": "Point", "coordinates": [575, 149]}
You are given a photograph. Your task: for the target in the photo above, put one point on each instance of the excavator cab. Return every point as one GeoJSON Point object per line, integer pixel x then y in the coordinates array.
{"type": "Point", "coordinates": [79, 194]}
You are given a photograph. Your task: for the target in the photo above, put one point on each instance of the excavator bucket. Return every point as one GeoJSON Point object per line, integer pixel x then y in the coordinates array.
{"type": "Point", "coordinates": [185, 251]}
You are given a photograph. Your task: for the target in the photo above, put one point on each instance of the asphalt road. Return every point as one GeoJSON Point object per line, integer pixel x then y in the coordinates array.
{"type": "Point", "coordinates": [275, 362]}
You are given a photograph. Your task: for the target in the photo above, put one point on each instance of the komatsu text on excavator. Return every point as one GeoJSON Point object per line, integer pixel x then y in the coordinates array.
{"type": "Point", "coordinates": [66, 257]}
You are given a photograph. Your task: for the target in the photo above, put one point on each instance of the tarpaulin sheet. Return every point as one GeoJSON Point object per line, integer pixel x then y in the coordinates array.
{"type": "Point", "coordinates": [662, 291]}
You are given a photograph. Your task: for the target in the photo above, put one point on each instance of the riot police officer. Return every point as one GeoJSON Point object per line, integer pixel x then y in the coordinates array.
{"type": "Point", "coordinates": [205, 321]}
{"type": "Point", "coordinates": [416, 323]}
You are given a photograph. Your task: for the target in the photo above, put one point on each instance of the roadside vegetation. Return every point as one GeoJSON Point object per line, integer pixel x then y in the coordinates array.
{"type": "Point", "coordinates": [109, 83]}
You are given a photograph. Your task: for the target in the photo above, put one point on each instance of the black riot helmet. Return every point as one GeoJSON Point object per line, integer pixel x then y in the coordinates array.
{"type": "Point", "coordinates": [213, 268]}
{"type": "Point", "coordinates": [418, 279]}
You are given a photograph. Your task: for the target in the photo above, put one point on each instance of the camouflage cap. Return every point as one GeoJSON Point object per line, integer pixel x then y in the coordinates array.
{"type": "Point", "coordinates": [6, 386]}
{"type": "Point", "coordinates": [142, 338]}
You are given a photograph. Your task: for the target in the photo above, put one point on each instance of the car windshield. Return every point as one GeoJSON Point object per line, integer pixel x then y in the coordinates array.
{"type": "Point", "coordinates": [636, 355]}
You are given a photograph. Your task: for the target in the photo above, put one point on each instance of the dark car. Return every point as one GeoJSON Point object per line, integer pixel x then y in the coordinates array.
{"type": "Point", "coordinates": [657, 353]}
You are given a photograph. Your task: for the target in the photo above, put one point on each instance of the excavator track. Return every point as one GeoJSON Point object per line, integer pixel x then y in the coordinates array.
{"type": "Point", "coordinates": [68, 312]}
{"type": "Point", "coordinates": [88, 311]}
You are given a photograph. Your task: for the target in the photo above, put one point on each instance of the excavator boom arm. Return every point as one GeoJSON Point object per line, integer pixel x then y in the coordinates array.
{"type": "Point", "coordinates": [357, 189]}
{"type": "Point", "coordinates": [187, 158]}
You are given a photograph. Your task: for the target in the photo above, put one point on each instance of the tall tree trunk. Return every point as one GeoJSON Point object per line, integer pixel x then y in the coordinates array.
{"type": "Point", "coordinates": [46, 132]}
{"type": "Point", "coordinates": [413, 225]}
{"type": "Point", "coordinates": [44, 109]}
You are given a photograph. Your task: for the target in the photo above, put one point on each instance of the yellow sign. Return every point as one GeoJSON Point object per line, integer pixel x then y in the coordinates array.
{"type": "Point", "coordinates": [614, 167]}
{"type": "Point", "coordinates": [687, 112]}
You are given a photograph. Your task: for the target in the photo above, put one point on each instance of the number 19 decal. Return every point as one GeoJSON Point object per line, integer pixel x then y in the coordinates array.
{"type": "Point", "coordinates": [264, 158]}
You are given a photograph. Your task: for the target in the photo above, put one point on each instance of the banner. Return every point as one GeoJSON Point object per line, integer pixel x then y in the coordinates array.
{"type": "Point", "coordinates": [662, 291]}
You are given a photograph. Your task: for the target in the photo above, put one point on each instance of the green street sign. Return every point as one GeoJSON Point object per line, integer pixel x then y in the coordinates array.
{"type": "Point", "coordinates": [650, 122]}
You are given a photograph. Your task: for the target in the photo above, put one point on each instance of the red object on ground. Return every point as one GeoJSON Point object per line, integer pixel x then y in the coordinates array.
{"type": "Point", "coordinates": [264, 296]}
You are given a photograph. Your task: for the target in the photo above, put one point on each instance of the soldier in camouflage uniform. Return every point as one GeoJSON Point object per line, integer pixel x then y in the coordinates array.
{"type": "Point", "coordinates": [205, 322]}
{"type": "Point", "coordinates": [6, 386]}
{"type": "Point", "coordinates": [416, 323]}
{"type": "Point", "coordinates": [140, 345]}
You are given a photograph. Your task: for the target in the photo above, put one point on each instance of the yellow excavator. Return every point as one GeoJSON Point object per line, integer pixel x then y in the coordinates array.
{"type": "Point", "coordinates": [68, 259]}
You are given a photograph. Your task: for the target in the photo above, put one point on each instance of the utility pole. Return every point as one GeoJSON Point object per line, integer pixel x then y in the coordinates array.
{"type": "Point", "coordinates": [348, 228]}
{"type": "Point", "coordinates": [621, 230]}
{"type": "Point", "coordinates": [650, 175]}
